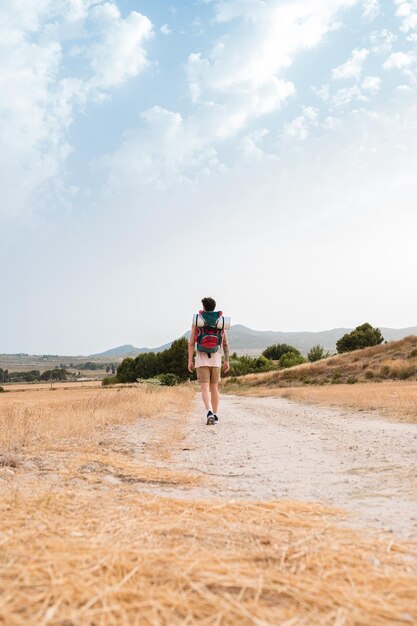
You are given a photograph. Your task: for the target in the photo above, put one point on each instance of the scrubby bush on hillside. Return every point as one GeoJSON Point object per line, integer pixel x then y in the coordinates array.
{"type": "Point", "coordinates": [169, 380]}
{"type": "Point", "coordinates": [277, 350]}
{"type": "Point", "coordinates": [290, 359]}
{"type": "Point", "coordinates": [242, 365]}
{"type": "Point", "coordinates": [362, 337]}
{"type": "Point", "coordinates": [317, 353]}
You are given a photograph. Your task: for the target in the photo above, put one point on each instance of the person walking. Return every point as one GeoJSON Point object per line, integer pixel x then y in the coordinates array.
{"type": "Point", "coordinates": [208, 361]}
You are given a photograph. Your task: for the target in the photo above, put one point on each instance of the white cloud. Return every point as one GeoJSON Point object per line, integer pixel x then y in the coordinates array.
{"type": "Point", "coordinates": [42, 96]}
{"type": "Point", "coordinates": [251, 144]}
{"type": "Point", "coordinates": [382, 40]}
{"type": "Point", "coordinates": [299, 127]}
{"type": "Point", "coordinates": [241, 78]}
{"type": "Point", "coordinates": [120, 52]}
{"type": "Point", "coordinates": [371, 8]}
{"type": "Point", "coordinates": [167, 150]}
{"type": "Point", "coordinates": [353, 66]}
{"type": "Point", "coordinates": [407, 11]}
{"type": "Point", "coordinates": [332, 123]}
{"type": "Point", "coordinates": [165, 29]}
{"type": "Point", "coordinates": [398, 60]}
{"type": "Point", "coordinates": [249, 63]}
{"type": "Point", "coordinates": [341, 98]}
{"type": "Point", "coordinates": [32, 127]}
{"type": "Point", "coordinates": [346, 95]}
{"type": "Point", "coordinates": [371, 84]}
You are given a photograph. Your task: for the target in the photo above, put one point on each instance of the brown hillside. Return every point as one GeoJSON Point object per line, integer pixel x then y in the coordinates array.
{"type": "Point", "coordinates": [396, 360]}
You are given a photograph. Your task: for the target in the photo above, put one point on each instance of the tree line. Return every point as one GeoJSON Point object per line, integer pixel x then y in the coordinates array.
{"type": "Point", "coordinates": [170, 366]}
{"type": "Point", "coordinates": [33, 376]}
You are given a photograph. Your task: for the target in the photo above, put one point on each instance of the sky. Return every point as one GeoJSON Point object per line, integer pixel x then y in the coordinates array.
{"type": "Point", "coordinates": [262, 152]}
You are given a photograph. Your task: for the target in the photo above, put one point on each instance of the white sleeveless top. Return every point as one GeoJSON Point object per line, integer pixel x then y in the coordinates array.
{"type": "Point", "coordinates": [202, 359]}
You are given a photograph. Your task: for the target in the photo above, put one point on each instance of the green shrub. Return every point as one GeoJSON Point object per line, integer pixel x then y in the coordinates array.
{"type": "Point", "coordinates": [276, 351]}
{"type": "Point", "coordinates": [317, 353]}
{"type": "Point", "coordinates": [242, 365]}
{"type": "Point", "coordinates": [362, 337]}
{"type": "Point", "coordinates": [336, 378]}
{"type": "Point", "coordinates": [169, 380]}
{"type": "Point", "coordinates": [20, 377]}
{"type": "Point", "coordinates": [352, 380]}
{"type": "Point", "coordinates": [55, 374]}
{"type": "Point", "coordinates": [290, 359]}
{"type": "Point", "coordinates": [2, 390]}
{"type": "Point", "coordinates": [109, 380]}
{"type": "Point", "coordinates": [370, 374]}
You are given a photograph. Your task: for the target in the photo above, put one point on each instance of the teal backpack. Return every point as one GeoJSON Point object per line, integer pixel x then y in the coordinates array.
{"type": "Point", "coordinates": [209, 337]}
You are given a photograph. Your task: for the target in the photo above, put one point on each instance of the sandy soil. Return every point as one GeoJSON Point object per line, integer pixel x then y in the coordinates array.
{"type": "Point", "coordinates": [272, 448]}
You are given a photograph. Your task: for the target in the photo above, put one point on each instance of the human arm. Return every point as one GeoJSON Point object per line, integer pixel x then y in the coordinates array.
{"type": "Point", "coordinates": [226, 350]}
{"type": "Point", "coordinates": [191, 351]}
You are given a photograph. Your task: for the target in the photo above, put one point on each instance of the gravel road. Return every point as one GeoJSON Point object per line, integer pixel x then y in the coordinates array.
{"type": "Point", "coordinates": [272, 448]}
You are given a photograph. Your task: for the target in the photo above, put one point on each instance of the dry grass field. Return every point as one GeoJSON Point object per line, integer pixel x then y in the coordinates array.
{"type": "Point", "coordinates": [83, 544]}
{"type": "Point", "coordinates": [40, 419]}
{"type": "Point", "coordinates": [395, 400]}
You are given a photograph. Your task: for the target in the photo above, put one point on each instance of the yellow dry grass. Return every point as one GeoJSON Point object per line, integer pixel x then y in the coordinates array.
{"type": "Point", "coordinates": [42, 418]}
{"type": "Point", "coordinates": [122, 558]}
{"type": "Point", "coordinates": [395, 400]}
{"type": "Point", "coordinates": [77, 550]}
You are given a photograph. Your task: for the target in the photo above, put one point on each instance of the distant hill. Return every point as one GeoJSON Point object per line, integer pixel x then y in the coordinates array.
{"type": "Point", "coordinates": [129, 350]}
{"type": "Point", "coordinates": [125, 350]}
{"type": "Point", "coordinates": [245, 340]}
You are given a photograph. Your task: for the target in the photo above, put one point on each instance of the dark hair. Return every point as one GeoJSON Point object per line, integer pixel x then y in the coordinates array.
{"type": "Point", "coordinates": [209, 304]}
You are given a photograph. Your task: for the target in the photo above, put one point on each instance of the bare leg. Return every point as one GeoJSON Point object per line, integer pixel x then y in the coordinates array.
{"type": "Point", "coordinates": [214, 390]}
{"type": "Point", "coordinates": [206, 395]}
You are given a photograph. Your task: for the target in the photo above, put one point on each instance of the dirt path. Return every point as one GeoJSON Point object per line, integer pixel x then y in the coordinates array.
{"type": "Point", "coordinates": [272, 448]}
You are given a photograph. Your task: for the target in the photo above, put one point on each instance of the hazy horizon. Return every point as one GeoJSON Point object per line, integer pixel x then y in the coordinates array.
{"type": "Point", "coordinates": [172, 338]}
{"type": "Point", "coordinates": [263, 153]}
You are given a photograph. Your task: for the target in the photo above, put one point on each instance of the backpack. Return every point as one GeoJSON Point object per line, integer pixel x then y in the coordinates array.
{"type": "Point", "coordinates": [209, 338]}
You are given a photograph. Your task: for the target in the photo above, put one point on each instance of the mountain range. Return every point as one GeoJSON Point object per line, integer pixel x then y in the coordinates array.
{"type": "Point", "coordinates": [245, 340]}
